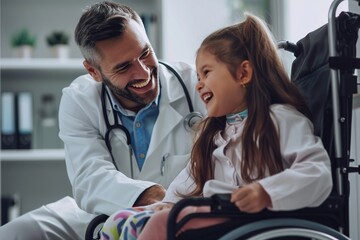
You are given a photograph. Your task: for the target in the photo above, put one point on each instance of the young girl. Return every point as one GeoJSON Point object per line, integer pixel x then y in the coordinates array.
{"type": "Point", "coordinates": [257, 142]}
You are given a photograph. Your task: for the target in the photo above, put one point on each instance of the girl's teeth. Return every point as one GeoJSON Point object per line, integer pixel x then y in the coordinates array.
{"type": "Point", "coordinates": [207, 97]}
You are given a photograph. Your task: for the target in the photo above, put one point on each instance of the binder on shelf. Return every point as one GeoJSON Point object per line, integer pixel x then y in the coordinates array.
{"type": "Point", "coordinates": [10, 208]}
{"type": "Point", "coordinates": [25, 119]}
{"type": "Point", "coordinates": [8, 121]}
{"type": "Point", "coordinates": [47, 132]}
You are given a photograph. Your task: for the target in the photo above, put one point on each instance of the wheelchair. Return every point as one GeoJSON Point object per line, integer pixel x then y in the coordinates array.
{"type": "Point", "coordinates": [324, 72]}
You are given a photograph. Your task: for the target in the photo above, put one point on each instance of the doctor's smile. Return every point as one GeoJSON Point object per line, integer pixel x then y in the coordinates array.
{"type": "Point", "coordinates": [140, 84]}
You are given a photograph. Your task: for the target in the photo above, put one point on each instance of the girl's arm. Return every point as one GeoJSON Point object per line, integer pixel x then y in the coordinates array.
{"type": "Point", "coordinates": [306, 180]}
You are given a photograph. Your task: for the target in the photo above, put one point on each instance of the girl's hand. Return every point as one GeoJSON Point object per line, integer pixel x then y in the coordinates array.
{"type": "Point", "coordinates": [251, 198]}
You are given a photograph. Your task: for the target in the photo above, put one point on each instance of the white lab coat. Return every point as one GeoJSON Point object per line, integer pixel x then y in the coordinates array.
{"type": "Point", "coordinates": [97, 186]}
{"type": "Point", "coordinates": [305, 182]}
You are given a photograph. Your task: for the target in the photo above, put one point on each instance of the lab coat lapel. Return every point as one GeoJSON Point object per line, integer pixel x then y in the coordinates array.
{"type": "Point", "coordinates": [168, 117]}
{"type": "Point", "coordinates": [162, 129]}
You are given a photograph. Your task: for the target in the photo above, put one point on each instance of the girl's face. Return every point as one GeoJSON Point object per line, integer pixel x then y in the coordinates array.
{"type": "Point", "coordinates": [221, 92]}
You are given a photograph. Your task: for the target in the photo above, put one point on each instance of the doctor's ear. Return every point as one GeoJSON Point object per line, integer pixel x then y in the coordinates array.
{"type": "Point", "coordinates": [244, 73]}
{"type": "Point", "coordinates": [92, 70]}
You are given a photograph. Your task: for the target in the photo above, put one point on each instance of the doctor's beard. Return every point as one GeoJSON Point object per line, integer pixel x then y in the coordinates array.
{"type": "Point", "coordinates": [129, 95]}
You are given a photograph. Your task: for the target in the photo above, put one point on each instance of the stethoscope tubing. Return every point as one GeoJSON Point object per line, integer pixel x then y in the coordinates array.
{"type": "Point", "coordinates": [181, 81]}
{"type": "Point", "coordinates": [110, 128]}
{"type": "Point", "coordinates": [117, 125]}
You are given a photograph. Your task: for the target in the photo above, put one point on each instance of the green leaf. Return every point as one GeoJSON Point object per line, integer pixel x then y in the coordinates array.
{"type": "Point", "coordinates": [57, 37]}
{"type": "Point", "coordinates": [23, 37]}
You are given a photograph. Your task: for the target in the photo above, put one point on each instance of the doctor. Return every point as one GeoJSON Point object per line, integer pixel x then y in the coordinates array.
{"type": "Point", "coordinates": [110, 167]}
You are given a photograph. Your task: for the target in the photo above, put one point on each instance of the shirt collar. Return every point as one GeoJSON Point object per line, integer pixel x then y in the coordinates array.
{"type": "Point", "coordinates": [236, 117]}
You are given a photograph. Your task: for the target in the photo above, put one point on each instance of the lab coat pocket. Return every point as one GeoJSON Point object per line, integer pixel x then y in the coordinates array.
{"type": "Point", "coordinates": [171, 165]}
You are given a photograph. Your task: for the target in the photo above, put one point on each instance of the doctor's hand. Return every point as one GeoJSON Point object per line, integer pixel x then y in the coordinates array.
{"type": "Point", "coordinates": [151, 195]}
{"type": "Point", "coordinates": [251, 198]}
{"type": "Point", "coordinates": [162, 206]}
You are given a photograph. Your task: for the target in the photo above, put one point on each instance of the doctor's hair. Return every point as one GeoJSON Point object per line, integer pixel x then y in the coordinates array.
{"type": "Point", "coordinates": [261, 155]}
{"type": "Point", "coordinates": [101, 21]}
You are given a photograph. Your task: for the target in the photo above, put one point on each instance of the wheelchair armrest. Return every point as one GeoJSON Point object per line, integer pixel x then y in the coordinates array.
{"type": "Point", "coordinates": [221, 203]}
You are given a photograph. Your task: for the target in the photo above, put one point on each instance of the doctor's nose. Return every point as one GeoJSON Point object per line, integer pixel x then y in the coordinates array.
{"type": "Point", "coordinates": [140, 70]}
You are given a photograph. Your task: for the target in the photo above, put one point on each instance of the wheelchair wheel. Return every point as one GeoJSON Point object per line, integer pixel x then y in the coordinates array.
{"type": "Point", "coordinates": [293, 232]}
{"type": "Point", "coordinates": [283, 227]}
{"type": "Point", "coordinates": [94, 227]}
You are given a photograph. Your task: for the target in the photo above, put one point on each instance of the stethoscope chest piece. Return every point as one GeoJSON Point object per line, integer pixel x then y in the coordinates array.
{"type": "Point", "coordinates": [191, 119]}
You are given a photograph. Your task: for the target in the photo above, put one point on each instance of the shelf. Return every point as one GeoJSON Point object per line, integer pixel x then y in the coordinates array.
{"type": "Point", "coordinates": [41, 64]}
{"type": "Point", "coordinates": [32, 155]}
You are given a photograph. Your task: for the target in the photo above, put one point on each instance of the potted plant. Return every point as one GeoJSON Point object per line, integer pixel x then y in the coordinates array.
{"type": "Point", "coordinates": [23, 43]}
{"type": "Point", "coordinates": [59, 42]}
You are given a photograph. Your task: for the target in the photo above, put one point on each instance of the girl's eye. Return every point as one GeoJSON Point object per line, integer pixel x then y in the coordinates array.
{"type": "Point", "coordinates": [204, 73]}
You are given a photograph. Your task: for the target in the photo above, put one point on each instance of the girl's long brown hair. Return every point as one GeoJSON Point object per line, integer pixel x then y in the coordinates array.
{"type": "Point", "coordinates": [249, 40]}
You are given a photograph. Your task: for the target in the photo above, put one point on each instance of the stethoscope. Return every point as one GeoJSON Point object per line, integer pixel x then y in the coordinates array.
{"type": "Point", "coordinates": [189, 121]}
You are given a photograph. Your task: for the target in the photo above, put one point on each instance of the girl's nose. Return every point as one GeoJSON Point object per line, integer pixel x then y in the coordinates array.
{"type": "Point", "coordinates": [199, 86]}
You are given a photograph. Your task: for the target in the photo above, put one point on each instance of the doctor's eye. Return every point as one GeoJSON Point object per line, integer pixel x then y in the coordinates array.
{"type": "Point", "coordinates": [123, 68]}
{"type": "Point", "coordinates": [146, 53]}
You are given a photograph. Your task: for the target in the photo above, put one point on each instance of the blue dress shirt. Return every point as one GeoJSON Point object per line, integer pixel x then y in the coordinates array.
{"type": "Point", "coordinates": [139, 125]}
